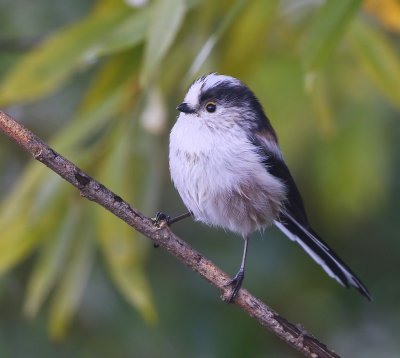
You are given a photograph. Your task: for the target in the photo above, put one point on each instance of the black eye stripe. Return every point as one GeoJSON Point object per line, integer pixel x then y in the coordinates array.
{"type": "Point", "coordinates": [226, 92]}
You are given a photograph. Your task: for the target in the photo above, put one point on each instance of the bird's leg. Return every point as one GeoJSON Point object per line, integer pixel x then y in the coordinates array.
{"type": "Point", "coordinates": [160, 216]}
{"type": "Point", "coordinates": [179, 218]}
{"type": "Point", "coordinates": [237, 281]}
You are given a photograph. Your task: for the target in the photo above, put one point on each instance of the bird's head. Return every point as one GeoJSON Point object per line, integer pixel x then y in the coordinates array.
{"type": "Point", "coordinates": [221, 101]}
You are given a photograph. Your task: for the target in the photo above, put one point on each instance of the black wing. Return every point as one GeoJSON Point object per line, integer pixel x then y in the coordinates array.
{"type": "Point", "coordinates": [294, 224]}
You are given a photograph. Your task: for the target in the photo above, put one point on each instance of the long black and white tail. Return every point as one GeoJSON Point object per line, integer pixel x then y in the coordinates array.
{"type": "Point", "coordinates": [320, 252]}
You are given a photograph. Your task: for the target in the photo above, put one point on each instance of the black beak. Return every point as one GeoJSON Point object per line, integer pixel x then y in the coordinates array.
{"type": "Point", "coordinates": [184, 107]}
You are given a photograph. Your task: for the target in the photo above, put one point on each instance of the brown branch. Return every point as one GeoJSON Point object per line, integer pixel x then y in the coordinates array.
{"type": "Point", "coordinates": [164, 237]}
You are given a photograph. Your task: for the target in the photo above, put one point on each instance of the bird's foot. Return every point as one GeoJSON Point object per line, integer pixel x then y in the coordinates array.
{"type": "Point", "coordinates": [160, 216]}
{"type": "Point", "coordinates": [236, 284]}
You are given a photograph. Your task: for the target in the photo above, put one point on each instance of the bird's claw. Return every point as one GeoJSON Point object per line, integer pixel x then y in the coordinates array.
{"type": "Point", "coordinates": [236, 282]}
{"type": "Point", "coordinates": [160, 216]}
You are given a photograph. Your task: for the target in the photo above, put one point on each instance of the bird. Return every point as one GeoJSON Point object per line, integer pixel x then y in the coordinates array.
{"type": "Point", "coordinates": [227, 166]}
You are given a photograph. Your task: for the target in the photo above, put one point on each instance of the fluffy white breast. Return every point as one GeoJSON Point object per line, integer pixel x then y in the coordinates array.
{"type": "Point", "coordinates": [215, 172]}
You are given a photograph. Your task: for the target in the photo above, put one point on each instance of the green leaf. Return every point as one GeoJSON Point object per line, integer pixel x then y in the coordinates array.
{"type": "Point", "coordinates": [15, 245]}
{"type": "Point", "coordinates": [166, 19]}
{"type": "Point", "coordinates": [346, 182]}
{"type": "Point", "coordinates": [104, 99]}
{"type": "Point", "coordinates": [228, 19]}
{"type": "Point", "coordinates": [242, 41]}
{"type": "Point", "coordinates": [51, 261]}
{"type": "Point", "coordinates": [326, 31]}
{"type": "Point", "coordinates": [18, 198]}
{"type": "Point", "coordinates": [122, 248]}
{"type": "Point", "coordinates": [378, 59]}
{"type": "Point", "coordinates": [128, 33]}
{"type": "Point", "coordinates": [39, 191]}
{"type": "Point", "coordinates": [47, 67]}
{"type": "Point", "coordinates": [69, 293]}
{"type": "Point", "coordinates": [111, 91]}
{"type": "Point", "coordinates": [321, 102]}
{"type": "Point", "coordinates": [27, 225]}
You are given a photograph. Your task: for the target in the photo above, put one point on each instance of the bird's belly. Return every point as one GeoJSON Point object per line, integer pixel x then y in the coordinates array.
{"type": "Point", "coordinates": [240, 197]}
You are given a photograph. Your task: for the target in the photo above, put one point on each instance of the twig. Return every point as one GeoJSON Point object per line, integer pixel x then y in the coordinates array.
{"type": "Point", "coordinates": [164, 237]}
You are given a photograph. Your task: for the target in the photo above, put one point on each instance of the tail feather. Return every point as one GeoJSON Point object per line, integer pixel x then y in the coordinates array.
{"type": "Point", "coordinates": [320, 252]}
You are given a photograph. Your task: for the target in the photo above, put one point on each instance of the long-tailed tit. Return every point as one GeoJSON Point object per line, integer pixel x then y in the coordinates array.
{"type": "Point", "coordinates": [227, 166]}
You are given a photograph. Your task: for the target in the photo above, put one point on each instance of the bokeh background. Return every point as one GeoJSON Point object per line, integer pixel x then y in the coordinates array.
{"type": "Point", "coordinates": [100, 80]}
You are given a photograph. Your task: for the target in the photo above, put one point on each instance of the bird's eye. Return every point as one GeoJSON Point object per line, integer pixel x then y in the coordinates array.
{"type": "Point", "coordinates": [211, 107]}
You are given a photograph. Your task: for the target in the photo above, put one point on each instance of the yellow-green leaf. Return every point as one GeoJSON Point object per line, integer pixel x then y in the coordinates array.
{"type": "Point", "coordinates": [208, 46]}
{"type": "Point", "coordinates": [321, 102]}
{"type": "Point", "coordinates": [104, 98]}
{"type": "Point", "coordinates": [242, 44]}
{"type": "Point", "coordinates": [51, 261]}
{"type": "Point", "coordinates": [326, 31]}
{"type": "Point", "coordinates": [165, 21]}
{"type": "Point", "coordinates": [378, 58]}
{"type": "Point", "coordinates": [69, 293]}
{"type": "Point", "coordinates": [15, 245]}
{"type": "Point", "coordinates": [49, 65]}
{"type": "Point", "coordinates": [130, 31]}
{"type": "Point", "coordinates": [39, 190]}
{"type": "Point", "coordinates": [110, 92]}
{"type": "Point", "coordinates": [27, 225]}
{"type": "Point", "coordinates": [127, 33]}
{"type": "Point", "coordinates": [19, 197]}
{"type": "Point", "coordinates": [123, 250]}
{"type": "Point", "coordinates": [346, 182]}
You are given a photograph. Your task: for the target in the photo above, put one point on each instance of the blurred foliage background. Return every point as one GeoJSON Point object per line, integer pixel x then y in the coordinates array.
{"type": "Point", "coordinates": [100, 80]}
